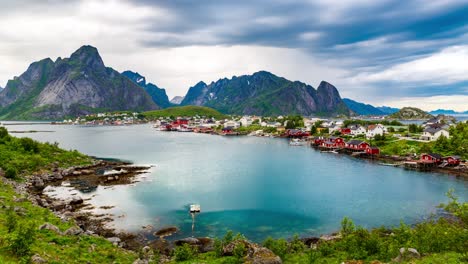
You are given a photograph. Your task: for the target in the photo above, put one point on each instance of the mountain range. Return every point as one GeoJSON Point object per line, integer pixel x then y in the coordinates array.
{"type": "Point", "coordinates": [447, 112]}
{"type": "Point", "coordinates": [363, 109]}
{"type": "Point", "coordinates": [68, 87]}
{"type": "Point", "coordinates": [82, 84]}
{"type": "Point", "coordinates": [264, 93]}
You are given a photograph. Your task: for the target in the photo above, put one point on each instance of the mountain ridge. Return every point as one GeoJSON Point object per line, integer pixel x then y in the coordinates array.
{"type": "Point", "coordinates": [158, 95]}
{"type": "Point", "coordinates": [362, 108]}
{"type": "Point", "coordinates": [263, 93]}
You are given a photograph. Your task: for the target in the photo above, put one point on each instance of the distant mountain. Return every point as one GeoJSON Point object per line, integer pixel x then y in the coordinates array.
{"type": "Point", "coordinates": [410, 113]}
{"type": "Point", "coordinates": [158, 95]}
{"type": "Point", "coordinates": [388, 110]}
{"type": "Point", "coordinates": [73, 86]}
{"type": "Point", "coordinates": [264, 93]}
{"type": "Point", "coordinates": [362, 109]}
{"type": "Point", "coordinates": [447, 112]}
{"type": "Point", "coordinates": [177, 100]}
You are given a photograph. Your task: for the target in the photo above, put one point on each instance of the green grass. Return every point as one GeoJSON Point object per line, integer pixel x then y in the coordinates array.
{"type": "Point", "coordinates": [184, 111]}
{"type": "Point", "coordinates": [53, 247]}
{"type": "Point", "coordinates": [27, 156]}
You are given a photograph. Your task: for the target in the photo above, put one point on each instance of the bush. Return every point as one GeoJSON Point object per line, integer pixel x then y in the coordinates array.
{"type": "Point", "coordinates": [278, 246]}
{"type": "Point", "coordinates": [29, 145]}
{"type": "Point", "coordinates": [185, 252]}
{"type": "Point", "coordinates": [3, 132]}
{"type": "Point", "coordinates": [239, 251]}
{"type": "Point", "coordinates": [20, 241]}
{"type": "Point", "coordinates": [347, 226]}
{"type": "Point", "coordinates": [296, 245]}
{"type": "Point", "coordinates": [11, 173]}
{"type": "Point", "coordinates": [10, 221]}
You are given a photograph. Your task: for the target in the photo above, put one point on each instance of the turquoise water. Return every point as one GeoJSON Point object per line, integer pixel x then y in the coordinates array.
{"type": "Point", "coordinates": [257, 186]}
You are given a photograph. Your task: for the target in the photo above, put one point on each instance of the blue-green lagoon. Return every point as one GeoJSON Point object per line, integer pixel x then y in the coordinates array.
{"type": "Point", "coordinates": [257, 186]}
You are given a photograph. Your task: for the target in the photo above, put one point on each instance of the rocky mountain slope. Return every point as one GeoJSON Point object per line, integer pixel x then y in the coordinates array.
{"type": "Point", "coordinates": [410, 113]}
{"type": "Point", "coordinates": [264, 93]}
{"type": "Point", "coordinates": [177, 100]}
{"type": "Point", "coordinates": [72, 86]}
{"type": "Point", "coordinates": [361, 108]}
{"type": "Point", "coordinates": [158, 95]}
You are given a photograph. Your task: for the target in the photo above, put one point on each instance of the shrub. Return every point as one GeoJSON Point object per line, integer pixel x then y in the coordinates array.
{"type": "Point", "coordinates": [185, 252]}
{"type": "Point", "coordinates": [10, 219]}
{"type": "Point", "coordinates": [347, 226]}
{"type": "Point", "coordinates": [29, 145]}
{"type": "Point", "coordinates": [296, 245]}
{"type": "Point", "coordinates": [239, 251]}
{"type": "Point", "coordinates": [20, 241]}
{"type": "Point", "coordinates": [278, 246]}
{"type": "Point", "coordinates": [3, 132]}
{"type": "Point", "coordinates": [11, 173]}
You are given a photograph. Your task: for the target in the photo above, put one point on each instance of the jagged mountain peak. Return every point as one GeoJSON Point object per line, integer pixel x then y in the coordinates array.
{"type": "Point", "coordinates": [89, 56]}
{"type": "Point", "coordinates": [69, 87]}
{"type": "Point", "coordinates": [264, 93]}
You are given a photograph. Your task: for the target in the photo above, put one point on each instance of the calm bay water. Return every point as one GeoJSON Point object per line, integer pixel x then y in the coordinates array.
{"type": "Point", "coordinates": [257, 186]}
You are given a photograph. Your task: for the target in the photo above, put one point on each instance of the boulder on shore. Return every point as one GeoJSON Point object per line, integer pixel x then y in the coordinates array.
{"type": "Point", "coordinates": [51, 227]}
{"type": "Point", "coordinates": [407, 254]}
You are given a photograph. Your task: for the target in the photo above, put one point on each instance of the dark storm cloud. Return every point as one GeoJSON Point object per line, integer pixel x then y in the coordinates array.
{"type": "Point", "coordinates": [341, 27]}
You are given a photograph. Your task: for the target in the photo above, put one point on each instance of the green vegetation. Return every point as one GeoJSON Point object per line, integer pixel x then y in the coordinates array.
{"type": "Point", "coordinates": [457, 144]}
{"type": "Point", "coordinates": [184, 111]}
{"type": "Point", "coordinates": [438, 240]}
{"type": "Point", "coordinates": [20, 156]}
{"type": "Point", "coordinates": [20, 237]}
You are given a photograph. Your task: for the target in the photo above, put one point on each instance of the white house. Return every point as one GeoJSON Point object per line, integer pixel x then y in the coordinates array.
{"type": "Point", "coordinates": [357, 130]}
{"type": "Point", "coordinates": [232, 123]}
{"type": "Point", "coordinates": [432, 134]}
{"type": "Point", "coordinates": [374, 130]}
{"type": "Point", "coordinates": [246, 121]}
{"type": "Point", "coordinates": [270, 124]}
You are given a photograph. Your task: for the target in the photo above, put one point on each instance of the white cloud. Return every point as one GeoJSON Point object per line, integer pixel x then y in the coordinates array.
{"type": "Point", "coordinates": [455, 102]}
{"type": "Point", "coordinates": [179, 68]}
{"type": "Point", "coordinates": [445, 67]}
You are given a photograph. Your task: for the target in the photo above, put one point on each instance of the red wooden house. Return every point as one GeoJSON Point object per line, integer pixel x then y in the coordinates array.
{"type": "Point", "coordinates": [345, 131]}
{"type": "Point", "coordinates": [430, 158]}
{"type": "Point", "coordinates": [356, 145]}
{"type": "Point", "coordinates": [318, 141]}
{"type": "Point", "coordinates": [180, 121]}
{"type": "Point", "coordinates": [452, 160]}
{"type": "Point", "coordinates": [333, 142]}
{"type": "Point", "coordinates": [372, 150]}
{"type": "Point", "coordinates": [297, 133]}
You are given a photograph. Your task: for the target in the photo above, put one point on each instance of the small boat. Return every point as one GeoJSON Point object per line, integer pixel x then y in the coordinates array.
{"type": "Point", "coordinates": [389, 164]}
{"type": "Point", "coordinates": [195, 208]}
{"type": "Point", "coordinates": [297, 142]}
{"type": "Point", "coordinates": [329, 151]}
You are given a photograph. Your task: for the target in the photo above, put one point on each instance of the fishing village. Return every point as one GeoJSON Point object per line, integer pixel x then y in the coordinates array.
{"type": "Point", "coordinates": [387, 142]}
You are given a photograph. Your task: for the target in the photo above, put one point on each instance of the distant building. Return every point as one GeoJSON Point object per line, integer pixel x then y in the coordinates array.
{"type": "Point", "coordinates": [432, 134]}
{"type": "Point", "coordinates": [373, 130]}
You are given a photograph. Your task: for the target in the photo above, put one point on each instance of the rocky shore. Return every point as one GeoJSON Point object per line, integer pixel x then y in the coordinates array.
{"type": "Point", "coordinates": [85, 179]}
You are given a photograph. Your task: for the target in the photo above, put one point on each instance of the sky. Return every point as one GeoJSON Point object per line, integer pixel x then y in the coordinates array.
{"type": "Point", "coordinates": [387, 52]}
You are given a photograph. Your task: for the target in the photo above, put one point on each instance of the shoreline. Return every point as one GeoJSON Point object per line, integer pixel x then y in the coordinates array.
{"type": "Point", "coordinates": [85, 179]}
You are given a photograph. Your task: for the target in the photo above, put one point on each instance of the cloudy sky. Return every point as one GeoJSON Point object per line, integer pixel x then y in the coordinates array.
{"type": "Point", "coordinates": [386, 52]}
